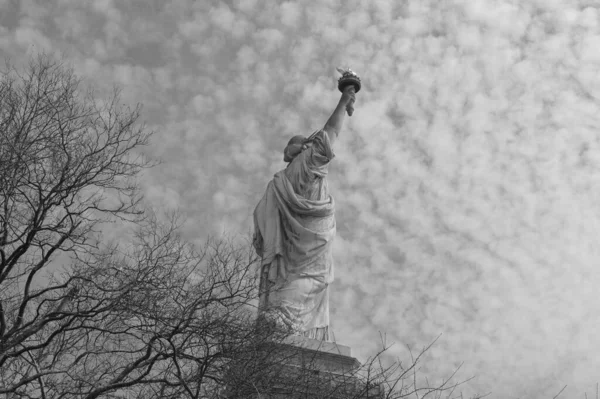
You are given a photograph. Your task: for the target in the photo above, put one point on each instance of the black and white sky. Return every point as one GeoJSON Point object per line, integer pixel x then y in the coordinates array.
{"type": "Point", "coordinates": [467, 182]}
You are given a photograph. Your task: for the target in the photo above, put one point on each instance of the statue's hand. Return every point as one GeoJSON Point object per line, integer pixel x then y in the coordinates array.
{"type": "Point", "coordinates": [348, 98]}
{"type": "Point", "coordinates": [348, 95]}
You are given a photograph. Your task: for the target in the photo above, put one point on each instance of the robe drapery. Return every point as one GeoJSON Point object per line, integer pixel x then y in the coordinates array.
{"type": "Point", "coordinates": [294, 228]}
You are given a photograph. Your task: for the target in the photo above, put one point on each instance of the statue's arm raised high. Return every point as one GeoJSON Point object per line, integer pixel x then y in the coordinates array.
{"type": "Point", "coordinates": [335, 121]}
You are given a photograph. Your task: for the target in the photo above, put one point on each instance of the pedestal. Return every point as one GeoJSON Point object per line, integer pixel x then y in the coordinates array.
{"type": "Point", "coordinates": [319, 369]}
{"type": "Point", "coordinates": [321, 355]}
{"type": "Point", "coordinates": [299, 368]}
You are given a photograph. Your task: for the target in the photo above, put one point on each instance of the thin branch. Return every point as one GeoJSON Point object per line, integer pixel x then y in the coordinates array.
{"type": "Point", "coordinates": [558, 394]}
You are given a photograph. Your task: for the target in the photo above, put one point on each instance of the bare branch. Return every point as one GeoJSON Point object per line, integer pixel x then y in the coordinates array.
{"type": "Point", "coordinates": [149, 316]}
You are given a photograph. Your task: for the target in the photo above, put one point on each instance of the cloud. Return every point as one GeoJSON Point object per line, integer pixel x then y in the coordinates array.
{"type": "Point", "coordinates": [32, 39]}
{"type": "Point", "coordinates": [291, 14]}
{"type": "Point", "coordinates": [466, 182]}
{"type": "Point", "coordinates": [269, 40]}
{"type": "Point", "coordinates": [193, 30]}
{"type": "Point", "coordinates": [222, 17]}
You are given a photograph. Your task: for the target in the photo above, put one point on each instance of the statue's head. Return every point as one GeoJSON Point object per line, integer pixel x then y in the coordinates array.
{"type": "Point", "coordinates": [294, 147]}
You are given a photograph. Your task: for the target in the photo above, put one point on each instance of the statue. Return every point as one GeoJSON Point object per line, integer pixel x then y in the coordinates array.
{"type": "Point", "coordinates": [295, 225]}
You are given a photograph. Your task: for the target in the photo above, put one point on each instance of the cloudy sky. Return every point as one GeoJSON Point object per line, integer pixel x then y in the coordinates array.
{"type": "Point", "coordinates": [467, 182]}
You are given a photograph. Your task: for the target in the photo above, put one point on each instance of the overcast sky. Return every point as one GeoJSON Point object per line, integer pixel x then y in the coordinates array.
{"type": "Point", "coordinates": [466, 182]}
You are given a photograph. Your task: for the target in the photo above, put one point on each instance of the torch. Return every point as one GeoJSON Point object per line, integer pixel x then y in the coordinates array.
{"type": "Point", "coordinates": [348, 77]}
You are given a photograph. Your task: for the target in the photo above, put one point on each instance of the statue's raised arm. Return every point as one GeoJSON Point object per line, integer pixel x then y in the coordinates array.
{"type": "Point", "coordinates": [349, 84]}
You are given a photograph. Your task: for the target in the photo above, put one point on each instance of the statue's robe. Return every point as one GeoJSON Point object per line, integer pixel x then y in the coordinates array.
{"type": "Point", "coordinates": [294, 229]}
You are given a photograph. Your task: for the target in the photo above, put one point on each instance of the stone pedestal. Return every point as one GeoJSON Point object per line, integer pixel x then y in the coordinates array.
{"type": "Point", "coordinates": [300, 368]}
{"type": "Point", "coordinates": [321, 355]}
{"type": "Point", "coordinates": [318, 369]}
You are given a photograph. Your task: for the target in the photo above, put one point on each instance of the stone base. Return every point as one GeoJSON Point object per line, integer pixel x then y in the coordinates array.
{"type": "Point", "coordinates": [304, 368]}
{"type": "Point", "coordinates": [331, 367]}
{"type": "Point", "coordinates": [321, 355]}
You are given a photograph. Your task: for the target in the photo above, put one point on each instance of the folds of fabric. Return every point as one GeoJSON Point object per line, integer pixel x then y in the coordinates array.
{"type": "Point", "coordinates": [294, 237]}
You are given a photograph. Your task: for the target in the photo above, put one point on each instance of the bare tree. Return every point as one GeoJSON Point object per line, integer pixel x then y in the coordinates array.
{"type": "Point", "coordinates": [79, 318]}
{"type": "Point", "coordinates": [67, 163]}
{"type": "Point", "coordinates": [149, 316]}
{"type": "Point", "coordinates": [288, 373]}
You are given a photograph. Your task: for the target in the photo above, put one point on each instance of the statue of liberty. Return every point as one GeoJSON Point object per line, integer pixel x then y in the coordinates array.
{"type": "Point", "coordinates": [295, 225]}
